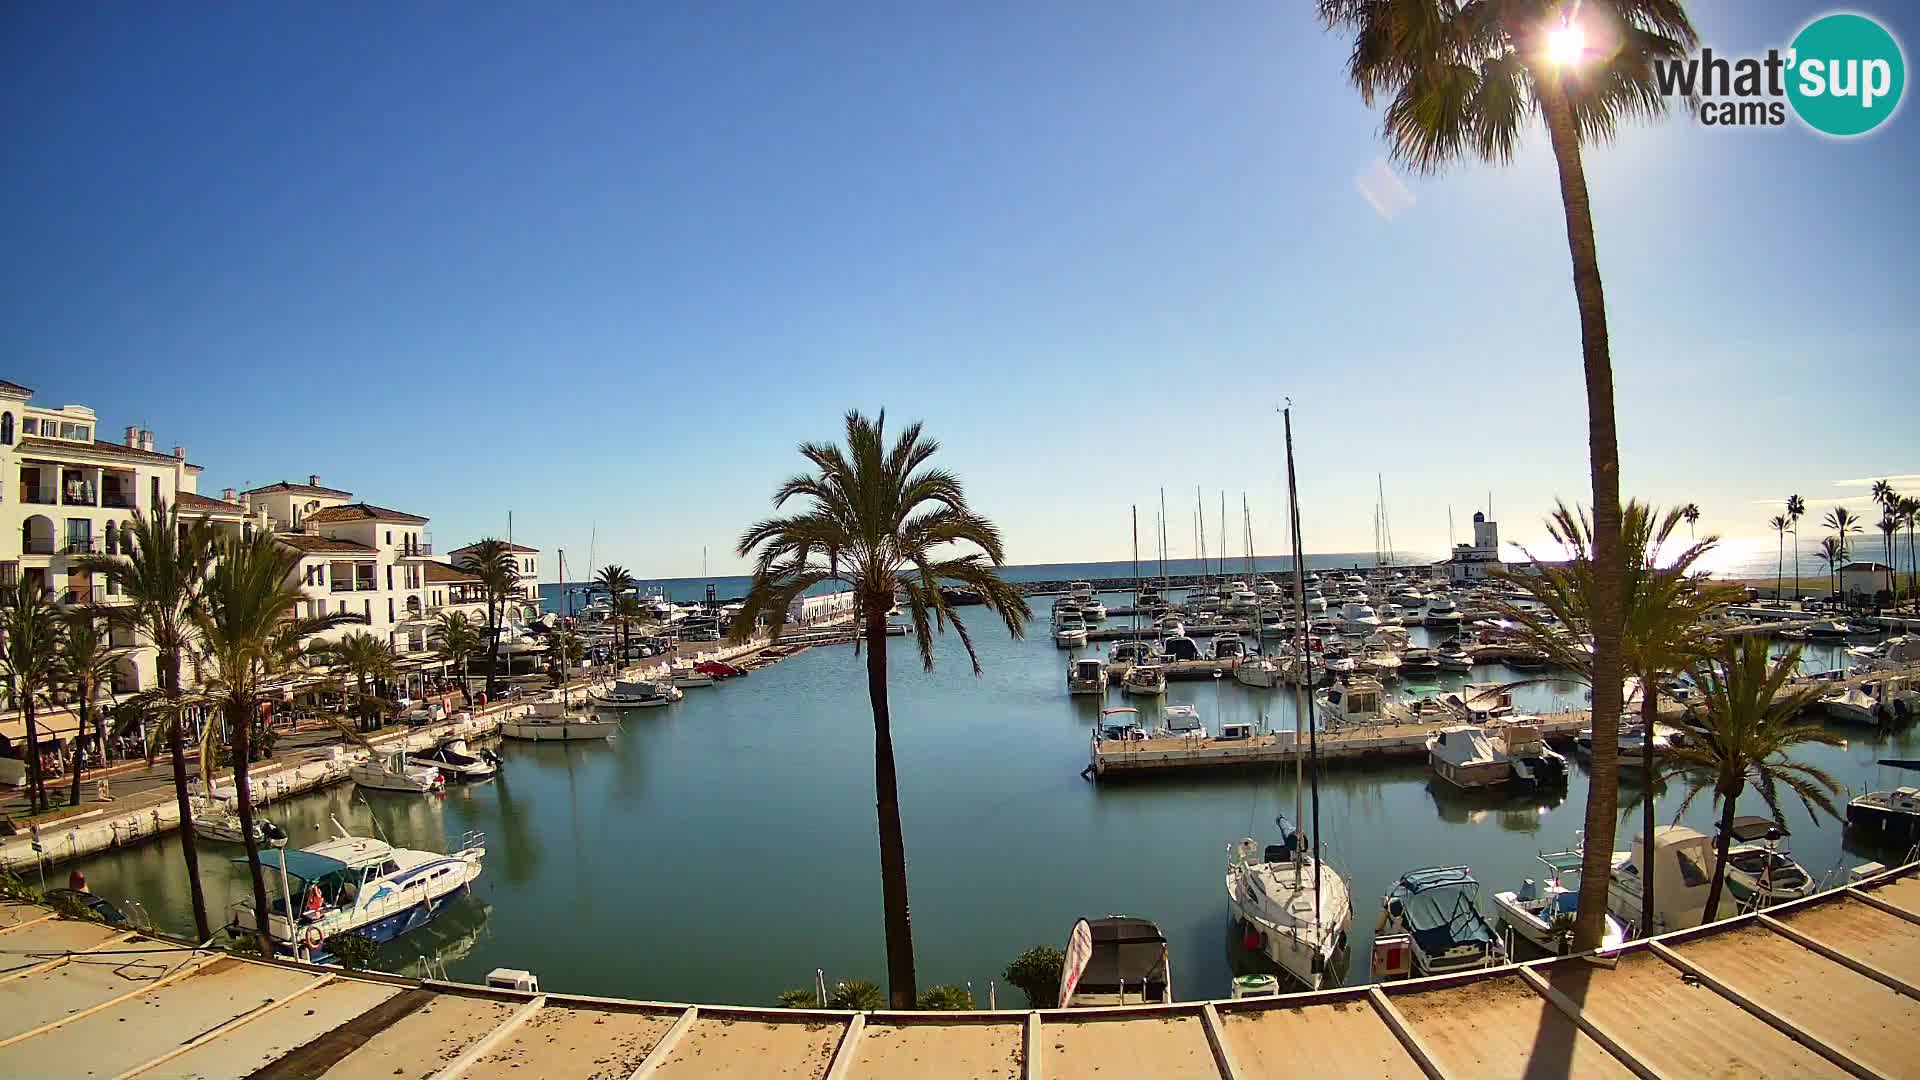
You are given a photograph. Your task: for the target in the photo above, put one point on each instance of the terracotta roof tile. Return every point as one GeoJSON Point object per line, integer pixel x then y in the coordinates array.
{"type": "Point", "coordinates": [522, 548]}
{"type": "Point", "coordinates": [323, 544]}
{"type": "Point", "coordinates": [190, 500]}
{"type": "Point", "coordinates": [300, 489]}
{"type": "Point", "coordinates": [100, 446]}
{"type": "Point", "coordinates": [360, 511]}
{"type": "Point", "coordinates": [439, 573]}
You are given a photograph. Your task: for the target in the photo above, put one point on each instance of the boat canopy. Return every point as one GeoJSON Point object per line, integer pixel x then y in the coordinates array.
{"type": "Point", "coordinates": [1562, 862]}
{"type": "Point", "coordinates": [1127, 952]}
{"type": "Point", "coordinates": [1181, 718]}
{"type": "Point", "coordinates": [1749, 829]}
{"type": "Point", "coordinates": [1441, 907]}
{"type": "Point", "coordinates": [305, 865]}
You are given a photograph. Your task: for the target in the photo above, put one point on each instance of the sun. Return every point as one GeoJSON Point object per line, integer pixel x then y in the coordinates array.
{"type": "Point", "coordinates": [1566, 44]}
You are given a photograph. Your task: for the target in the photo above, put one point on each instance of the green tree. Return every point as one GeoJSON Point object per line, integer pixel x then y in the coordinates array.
{"type": "Point", "coordinates": [882, 521]}
{"type": "Point", "coordinates": [858, 994]}
{"type": "Point", "coordinates": [160, 571]}
{"type": "Point", "coordinates": [1691, 512]}
{"type": "Point", "coordinates": [1796, 509]}
{"type": "Point", "coordinates": [29, 658]}
{"type": "Point", "coordinates": [1834, 554]}
{"type": "Point", "coordinates": [1888, 500]}
{"type": "Point", "coordinates": [1909, 510]}
{"type": "Point", "coordinates": [564, 650]}
{"type": "Point", "coordinates": [1665, 628]}
{"type": "Point", "coordinates": [1466, 81]}
{"type": "Point", "coordinates": [85, 665]}
{"type": "Point", "coordinates": [946, 998]}
{"type": "Point", "coordinates": [1753, 725]}
{"type": "Point", "coordinates": [1844, 523]}
{"type": "Point", "coordinates": [1889, 527]}
{"type": "Point", "coordinates": [457, 642]}
{"type": "Point", "coordinates": [614, 580]}
{"type": "Point", "coordinates": [498, 568]}
{"type": "Point", "coordinates": [1037, 973]}
{"type": "Point", "coordinates": [1779, 525]}
{"type": "Point", "coordinates": [368, 660]}
{"type": "Point", "coordinates": [630, 612]}
{"type": "Point", "coordinates": [247, 619]}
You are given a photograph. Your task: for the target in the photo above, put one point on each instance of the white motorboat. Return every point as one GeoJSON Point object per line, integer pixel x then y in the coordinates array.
{"type": "Point", "coordinates": [684, 674]}
{"type": "Point", "coordinates": [1264, 672]}
{"type": "Point", "coordinates": [1358, 619]}
{"type": "Point", "coordinates": [1437, 910]}
{"type": "Point", "coordinates": [1130, 652]}
{"type": "Point", "coordinates": [1441, 614]}
{"type": "Point", "coordinates": [1087, 675]}
{"type": "Point", "coordinates": [1848, 705]}
{"type": "Point", "coordinates": [1543, 912]}
{"type": "Point", "coordinates": [219, 820]}
{"type": "Point", "coordinates": [555, 721]}
{"type": "Point", "coordinates": [1382, 661]}
{"type": "Point", "coordinates": [458, 761]}
{"type": "Point", "coordinates": [1207, 599]}
{"type": "Point", "coordinates": [1180, 648]}
{"type": "Point", "coordinates": [1453, 657]}
{"type": "Point", "coordinates": [1419, 663]}
{"type": "Point", "coordinates": [1830, 630]}
{"type": "Point", "coordinates": [1287, 906]}
{"type": "Point", "coordinates": [1633, 742]}
{"type": "Point", "coordinates": [1272, 623]}
{"type": "Point", "coordinates": [1070, 632]}
{"type": "Point", "coordinates": [1683, 874]}
{"type": "Point", "coordinates": [1479, 703]}
{"type": "Point", "coordinates": [1147, 680]}
{"type": "Point", "coordinates": [393, 772]}
{"type": "Point", "coordinates": [357, 884]}
{"type": "Point", "coordinates": [1172, 626]}
{"type": "Point", "coordinates": [1116, 960]}
{"type": "Point", "coordinates": [1181, 721]}
{"type": "Point", "coordinates": [1894, 654]}
{"type": "Point", "coordinates": [1357, 702]}
{"type": "Point", "coordinates": [1314, 601]}
{"type": "Point", "coordinates": [1759, 873]}
{"type": "Point", "coordinates": [1092, 610]}
{"type": "Point", "coordinates": [635, 694]}
{"type": "Point", "coordinates": [1080, 590]}
{"type": "Point", "coordinates": [1228, 645]}
{"type": "Point", "coordinates": [1513, 752]}
{"type": "Point", "coordinates": [1893, 814]}
{"type": "Point", "coordinates": [1264, 587]}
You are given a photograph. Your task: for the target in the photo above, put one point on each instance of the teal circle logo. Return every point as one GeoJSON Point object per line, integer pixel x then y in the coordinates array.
{"type": "Point", "coordinates": [1847, 73]}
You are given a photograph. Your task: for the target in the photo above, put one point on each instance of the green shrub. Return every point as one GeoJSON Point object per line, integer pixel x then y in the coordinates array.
{"type": "Point", "coordinates": [947, 998]}
{"type": "Point", "coordinates": [352, 951]}
{"type": "Point", "coordinates": [798, 999]}
{"type": "Point", "coordinates": [1037, 973]}
{"type": "Point", "coordinates": [859, 994]}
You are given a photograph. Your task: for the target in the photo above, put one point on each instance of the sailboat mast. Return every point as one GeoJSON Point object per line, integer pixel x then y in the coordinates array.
{"type": "Point", "coordinates": [1306, 655]}
{"type": "Point", "coordinates": [1136, 570]}
{"type": "Point", "coordinates": [1163, 539]}
{"type": "Point", "coordinates": [1200, 536]}
{"type": "Point", "coordinates": [1220, 553]}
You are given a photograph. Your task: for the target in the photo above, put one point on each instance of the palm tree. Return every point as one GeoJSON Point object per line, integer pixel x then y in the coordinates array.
{"type": "Point", "coordinates": [1780, 525]}
{"type": "Point", "coordinates": [457, 642]}
{"type": "Point", "coordinates": [85, 665]}
{"type": "Point", "coordinates": [1910, 513]}
{"type": "Point", "coordinates": [1833, 553]}
{"type": "Point", "coordinates": [1753, 723]}
{"type": "Point", "coordinates": [160, 571]}
{"type": "Point", "coordinates": [1465, 80]}
{"type": "Point", "coordinates": [616, 583]}
{"type": "Point", "coordinates": [1844, 523]}
{"type": "Point", "coordinates": [564, 650]}
{"type": "Point", "coordinates": [1796, 509]}
{"type": "Point", "coordinates": [884, 523]}
{"type": "Point", "coordinates": [1666, 624]}
{"type": "Point", "coordinates": [1889, 528]}
{"type": "Point", "coordinates": [367, 659]}
{"type": "Point", "coordinates": [628, 610]}
{"type": "Point", "coordinates": [492, 561]}
{"type": "Point", "coordinates": [1691, 512]}
{"type": "Point", "coordinates": [29, 659]}
{"type": "Point", "coordinates": [246, 623]}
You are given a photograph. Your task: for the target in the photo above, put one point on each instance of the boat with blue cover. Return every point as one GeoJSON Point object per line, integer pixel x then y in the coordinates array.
{"type": "Point", "coordinates": [1543, 911]}
{"type": "Point", "coordinates": [356, 884]}
{"type": "Point", "coordinates": [1438, 909]}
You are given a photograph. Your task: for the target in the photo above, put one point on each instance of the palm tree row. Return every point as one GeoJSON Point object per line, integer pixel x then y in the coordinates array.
{"type": "Point", "coordinates": [617, 583]}
{"type": "Point", "coordinates": [493, 561]}
{"type": "Point", "coordinates": [1896, 512]}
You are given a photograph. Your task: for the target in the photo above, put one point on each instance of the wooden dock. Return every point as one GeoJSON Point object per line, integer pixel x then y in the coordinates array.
{"type": "Point", "coordinates": [1826, 986]}
{"type": "Point", "coordinates": [1123, 759]}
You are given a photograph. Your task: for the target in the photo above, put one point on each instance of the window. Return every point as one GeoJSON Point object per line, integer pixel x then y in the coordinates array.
{"type": "Point", "coordinates": [389, 569]}
{"type": "Point", "coordinates": [389, 609]}
{"type": "Point", "coordinates": [389, 536]}
{"type": "Point", "coordinates": [29, 426]}
{"type": "Point", "coordinates": [6, 428]}
{"type": "Point", "coordinates": [366, 609]}
{"type": "Point", "coordinates": [113, 539]}
{"type": "Point", "coordinates": [153, 503]}
{"type": "Point", "coordinates": [320, 607]}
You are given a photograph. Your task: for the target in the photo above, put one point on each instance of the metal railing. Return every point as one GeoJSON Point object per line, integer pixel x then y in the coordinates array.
{"type": "Point", "coordinates": [420, 547]}
{"type": "Point", "coordinates": [117, 500]}
{"type": "Point", "coordinates": [81, 499]}
{"type": "Point", "coordinates": [36, 496]}
{"type": "Point", "coordinates": [81, 545]}
{"type": "Point", "coordinates": [37, 547]}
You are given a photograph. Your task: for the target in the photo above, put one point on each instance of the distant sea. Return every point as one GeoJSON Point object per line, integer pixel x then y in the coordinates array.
{"type": "Point", "coordinates": [1735, 559]}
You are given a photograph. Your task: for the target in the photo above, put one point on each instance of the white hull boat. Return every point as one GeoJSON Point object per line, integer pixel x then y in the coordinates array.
{"type": "Point", "coordinates": [1543, 912]}
{"type": "Point", "coordinates": [635, 694]}
{"type": "Point", "coordinates": [1088, 676]}
{"type": "Point", "coordinates": [553, 721]}
{"type": "Point", "coordinates": [1274, 903]}
{"type": "Point", "coordinates": [394, 772]}
{"type": "Point", "coordinates": [1438, 910]}
{"type": "Point", "coordinates": [460, 762]}
{"type": "Point", "coordinates": [220, 822]}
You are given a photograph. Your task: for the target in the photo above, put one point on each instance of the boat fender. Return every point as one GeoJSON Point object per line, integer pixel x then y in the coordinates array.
{"type": "Point", "coordinates": [313, 938]}
{"type": "Point", "coordinates": [1254, 940]}
{"type": "Point", "coordinates": [272, 832]}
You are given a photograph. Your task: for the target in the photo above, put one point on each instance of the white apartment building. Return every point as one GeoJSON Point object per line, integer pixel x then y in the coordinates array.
{"type": "Point", "coordinates": [355, 558]}
{"type": "Point", "coordinates": [528, 562]}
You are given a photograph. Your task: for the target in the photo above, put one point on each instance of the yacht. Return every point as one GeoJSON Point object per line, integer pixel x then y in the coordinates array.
{"type": "Point", "coordinates": [1759, 873]}
{"type": "Point", "coordinates": [1358, 619]}
{"type": "Point", "coordinates": [1207, 599]}
{"type": "Point", "coordinates": [635, 694]}
{"type": "Point", "coordinates": [1451, 656]}
{"type": "Point", "coordinates": [1382, 661]}
{"type": "Point", "coordinates": [1172, 626]}
{"type": "Point", "coordinates": [1848, 705]}
{"type": "Point", "coordinates": [1242, 599]}
{"type": "Point", "coordinates": [1895, 653]}
{"type": "Point", "coordinates": [1130, 652]}
{"type": "Point", "coordinates": [455, 759]}
{"type": "Point", "coordinates": [1354, 703]}
{"type": "Point", "coordinates": [392, 771]}
{"type": "Point", "coordinates": [1315, 602]}
{"type": "Point", "coordinates": [1069, 632]}
{"type": "Point", "coordinates": [1264, 672]}
{"type": "Point", "coordinates": [1470, 757]}
{"type": "Point", "coordinates": [1092, 610]}
{"type": "Point", "coordinates": [1087, 675]}
{"type": "Point", "coordinates": [1125, 963]}
{"type": "Point", "coordinates": [1272, 623]}
{"type": "Point", "coordinates": [1437, 911]}
{"type": "Point", "coordinates": [1292, 909]}
{"type": "Point", "coordinates": [1181, 720]}
{"type": "Point", "coordinates": [1479, 703]}
{"type": "Point", "coordinates": [1633, 748]}
{"type": "Point", "coordinates": [554, 721]}
{"type": "Point", "coordinates": [1683, 873]}
{"type": "Point", "coordinates": [1148, 680]}
{"type": "Point", "coordinates": [1830, 630]}
{"type": "Point", "coordinates": [1265, 588]}
{"type": "Point", "coordinates": [1180, 648]}
{"type": "Point", "coordinates": [1894, 814]}
{"type": "Point", "coordinates": [1543, 912]}
{"type": "Point", "coordinates": [1441, 614]}
{"type": "Point", "coordinates": [685, 674]}
{"type": "Point", "coordinates": [1080, 590]}
{"type": "Point", "coordinates": [1418, 663]}
{"type": "Point", "coordinates": [1228, 645]}
{"type": "Point", "coordinates": [219, 820]}
{"type": "Point", "coordinates": [357, 884]}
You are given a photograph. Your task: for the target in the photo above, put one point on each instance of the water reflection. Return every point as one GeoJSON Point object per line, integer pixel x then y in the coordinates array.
{"type": "Point", "coordinates": [1514, 811]}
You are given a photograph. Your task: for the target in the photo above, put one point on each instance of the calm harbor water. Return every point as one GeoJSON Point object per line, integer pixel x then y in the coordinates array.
{"type": "Point", "coordinates": [721, 849]}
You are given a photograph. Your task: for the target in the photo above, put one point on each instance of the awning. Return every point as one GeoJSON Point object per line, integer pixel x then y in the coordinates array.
{"type": "Point", "coordinates": [304, 865]}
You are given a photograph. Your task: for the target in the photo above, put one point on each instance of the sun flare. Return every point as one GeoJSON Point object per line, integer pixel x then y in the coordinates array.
{"type": "Point", "coordinates": [1566, 44]}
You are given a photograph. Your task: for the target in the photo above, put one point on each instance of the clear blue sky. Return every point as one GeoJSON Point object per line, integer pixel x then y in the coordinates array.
{"type": "Point", "coordinates": [606, 264]}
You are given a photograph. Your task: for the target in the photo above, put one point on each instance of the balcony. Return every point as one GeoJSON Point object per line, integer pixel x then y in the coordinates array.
{"type": "Point", "coordinates": [79, 497]}
{"type": "Point", "coordinates": [36, 496]}
{"type": "Point", "coordinates": [80, 594]}
{"type": "Point", "coordinates": [417, 549]}
{"type": "Point", "coordinates": [80, 545]}
{"type": "Point", "coordinates": [37, 545]}
{"type": "Point", "coordinates": [341, 586]}
{"type": "Point", "coordinates": [119, 500]}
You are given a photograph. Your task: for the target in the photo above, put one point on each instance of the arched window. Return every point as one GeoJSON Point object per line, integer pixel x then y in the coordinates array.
{"type": "Point", "coordinates": [6, 429]}
{"type": "Point", "coordinates": [113, 537]}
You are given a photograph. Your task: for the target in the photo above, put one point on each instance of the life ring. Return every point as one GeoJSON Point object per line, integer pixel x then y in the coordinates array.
{"type": "Point", "coordinates": [313, 938]}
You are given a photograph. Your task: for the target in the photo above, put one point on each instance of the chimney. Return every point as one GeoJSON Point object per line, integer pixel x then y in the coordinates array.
{"type": "Point", "coordinates": [180, 453]}
{"type": "Point", "coordinates": [146, 440]}
{"type": "Point", "coordinates": [230, 495]}
{"type": "Point", "coordinates": [313, 479]}
{"type": "Point", "coordinates": [133, 437]}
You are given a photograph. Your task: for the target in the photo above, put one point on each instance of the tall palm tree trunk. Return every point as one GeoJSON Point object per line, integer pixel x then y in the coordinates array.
{"type": "Point", "coordinates": [1649, 711]}
{"type": "Point", "coordinates": [242, 725]}
{"type": "Point", "coordinates": [1720, 845]}
{"type": "Point", "coordinates": [493, 652]}
{"type": "Point", "coordinates": [1796, 562]}
{"type": "Point", "coordinates": [80, 742]}
{"type": "Point", "coordinates": [901, 991]}
{"type": "Point", "coordinates": [1603, 794]}
{"type": "Point", "coordinates": [36, 782]}
{"type": "Point", "coordinates": [176, 748]}
{"type": "Point", "coordinates": [1779, 564]}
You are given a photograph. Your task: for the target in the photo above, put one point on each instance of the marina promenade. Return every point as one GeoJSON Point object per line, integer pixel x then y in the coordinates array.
{"type": "Point", "coordinates": [1827, 986]}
